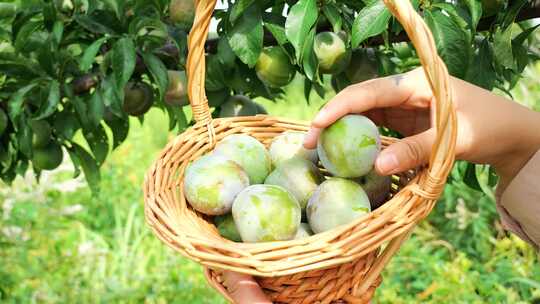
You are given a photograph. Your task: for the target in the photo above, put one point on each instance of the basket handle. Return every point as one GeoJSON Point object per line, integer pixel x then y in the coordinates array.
{"type": "Point", "coordinates": [443, 150]}
{"type": "Point", "coordinates": [442, 155]}
{"type": "Point", "coordinates": [196, 64]}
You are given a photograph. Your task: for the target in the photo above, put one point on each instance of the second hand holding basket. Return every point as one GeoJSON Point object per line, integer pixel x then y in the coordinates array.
{"type": "Point", "coordinates": [343, 264]}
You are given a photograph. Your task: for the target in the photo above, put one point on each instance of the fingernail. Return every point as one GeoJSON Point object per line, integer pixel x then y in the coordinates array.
{"type": "Point", "coordinates": [387, 163]}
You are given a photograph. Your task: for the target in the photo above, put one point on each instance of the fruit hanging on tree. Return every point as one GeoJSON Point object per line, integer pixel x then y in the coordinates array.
{"type": "Point", "coordinates": [332, 52]}
{"type": "Point", "coordinates": [217, 98]}
{"type": "Point", "coordinates": [48, 157]}
{"type": "Point", "coordinates": [363, 65]}
{"type": "Point", "coordinates": [41, 136]}
{"type": "Point", "coordinates": [138, 98]}
{"type": "Point", "coordinates": [182, 12]}
{"type": "Point", "coordinates": [176, 94]}
{"type": "Point", "coordinates": [240, 105]}
{"type": "Point", "coordinates": [274, 67]}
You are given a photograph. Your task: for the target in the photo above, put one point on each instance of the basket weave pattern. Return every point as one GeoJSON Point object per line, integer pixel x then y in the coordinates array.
{"type": "Point", "coordinates": [343, 264]}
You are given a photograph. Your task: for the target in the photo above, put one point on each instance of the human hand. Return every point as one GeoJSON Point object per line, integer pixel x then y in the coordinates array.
{"type": "Point", "coordinates": [244, 289]}
{"type": "Point", "coordinates": [491, 129]}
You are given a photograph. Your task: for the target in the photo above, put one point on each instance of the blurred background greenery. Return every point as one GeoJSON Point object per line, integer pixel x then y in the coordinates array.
{"type": "Point", "coordinates": [60, 244]}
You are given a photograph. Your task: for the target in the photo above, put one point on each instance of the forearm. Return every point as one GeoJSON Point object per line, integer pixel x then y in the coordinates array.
{"type": "Point", "coordinates": [524, 144]}
{"type": "Point", "coordinates": [496, 131]}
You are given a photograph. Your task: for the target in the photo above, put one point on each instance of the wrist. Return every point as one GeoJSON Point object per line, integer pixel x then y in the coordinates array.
{"type": "Point", "coordinates": [523, 146]}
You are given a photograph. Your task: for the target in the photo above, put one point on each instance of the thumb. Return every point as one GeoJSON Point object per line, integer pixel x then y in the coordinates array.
{"type": "Point", "coordinates": [244, 289]}
{"type": "Point", "coordinates": [405, 154]}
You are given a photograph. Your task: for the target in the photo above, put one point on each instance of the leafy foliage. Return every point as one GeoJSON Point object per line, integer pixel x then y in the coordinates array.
{"type": "Point", "coordinates": [68, 62]}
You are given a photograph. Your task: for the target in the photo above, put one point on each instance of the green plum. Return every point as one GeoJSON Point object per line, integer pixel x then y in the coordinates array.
{"type": "Point", "coordinates": [377, 187]}
{"type": "Point", "coordinates": [249, 153]}
{"type": "Point", "coordinates": [212, 182]}
{"type": "Point", "coordinates": [290, 144]}
{"type": "Point", "coordinates": [337, 201]}
{"type": "Point", "coordinates": [332, 52]}
{"type": "Point", "coordinates": [264, 213]}
{"type": "Point", "coordinates": [299, 176]}
{"type": "Point", "coordinates": [349, 146]}
{"type": "Point", "coordinates": [227, 228]}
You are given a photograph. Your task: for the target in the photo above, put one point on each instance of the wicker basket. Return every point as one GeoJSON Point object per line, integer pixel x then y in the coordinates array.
{"type": "Point", "coordinates": [340, 265]}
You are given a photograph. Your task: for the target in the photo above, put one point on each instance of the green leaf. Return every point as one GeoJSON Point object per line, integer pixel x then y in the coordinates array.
{"type": "Point", "coordinates": [23, 36]}
{"type": "Point", "coordinates": [22, 19]}
{"type": "Point", "coordinates": [521, 37]}
{"type": "Point", "coordinates": [82, 111]}
{"type": "Point", "coordinates": [301, 19]}
{"type": "Point", "coordinates": [511, 12]}
{"type": "Point", "coordinates": [521, 58]}
{"type": "Point", "coordinates": [111, 96]}
{"type": "Point", "coordinates": [15, 103]}
{"type": "Point", "coordinates": [46, 59]}
{"type": "Point", "coordinates": [53, 100]}
{"type": "Point", "coordinates": [502, 46]}
{"type": "Point", "coordinates": [246, 36]}
{"type": "Point", "coordinates": [89, 54]}
{"type": "Point", "coordinates": [481, 71]}
{"type": "Point", "coordinates": [7, 10]}
{"type": "Point", "coordinates": [117, 7]}
{"type": "Point", "coordinates": [92, 25]}
{"type": "Point", "coordinates": [215, 76]}
{"type": "Point", "coordinates": [493, 177]}
{"type": "Point", "coordinates": [452, 40]}
{"type": "Point", "coordinates": [181, 120]}
{"type": "Point", "coordinates": [334, 16]}
{"type": "Point", "coordinates": [24, 136]}
{"type": "Point", "coordinates": [309, 60]}
{"type": "Point", "coordinates": [123, 61]}
{"type": "Point", "coordinates": [371, 21]}
{"type": "Point", "coordinates": [96, 108]}
{"type": "Point", "coordinates": [238, 8]}
{"type": "Point", "coordinates": [120, 130]}
{"type": "Point", "coordinates": [49, 15]}
{"type": "Point", "coordinates": [470, 178]}
{"type": "Point", "coordinates": [138, 24]}
{"type": "Point", "coordinates": [56, 33]}
{"type": "Point", "coordinates": [90, 168]}
{"type": "Point", "coordinates": [460, 16]}
{"type": "Point", "coordinates": [98, 142]}
{"type": "Point", "coordinates": [307, 89]}
{"type": "Point", "coordinates": [225, 53]}
{"type": "Point", "coordinates": [340, 82]}
{"type": "Point", "coordinates": [158, 70]}
{"type": "Point", "coordinates": [65, 124]}
{"type": "Point", "coordinates": [275, 24]}
{"type": "Point", "coordinates": [475, 10]}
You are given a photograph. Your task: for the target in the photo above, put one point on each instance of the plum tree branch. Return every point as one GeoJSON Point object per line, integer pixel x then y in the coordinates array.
{"type": "Point", "coordinates": [170, 51]}
{"type": "Point", "coordinates": [531, 11]}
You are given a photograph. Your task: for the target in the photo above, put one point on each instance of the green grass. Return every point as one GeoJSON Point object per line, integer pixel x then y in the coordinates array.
{"type": "Point", "coordinates": [59, 244]}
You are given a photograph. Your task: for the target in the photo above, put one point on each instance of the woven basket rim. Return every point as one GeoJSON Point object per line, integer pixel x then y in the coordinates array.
{"type": "Point", "coordinates": [262, 253]}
